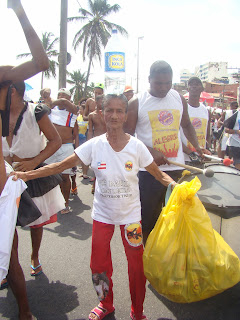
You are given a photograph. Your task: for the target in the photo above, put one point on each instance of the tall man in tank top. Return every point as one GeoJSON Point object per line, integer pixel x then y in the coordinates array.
{"type": "Point", "coordinates": [199, 117]}
{"type": "Point", "coordinates": [8, 75]}
{"type": "Point", "coordinates": [155, 116]}
{"type": "Point", "coordinates": [63, 116]}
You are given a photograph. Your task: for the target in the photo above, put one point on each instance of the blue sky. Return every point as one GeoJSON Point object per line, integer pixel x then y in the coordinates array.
{"type": "Point", "coordinates": [184, 33]}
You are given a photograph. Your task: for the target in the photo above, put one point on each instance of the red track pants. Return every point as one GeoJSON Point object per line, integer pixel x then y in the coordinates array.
{"type": "Point", "coordinates": [101, 262]}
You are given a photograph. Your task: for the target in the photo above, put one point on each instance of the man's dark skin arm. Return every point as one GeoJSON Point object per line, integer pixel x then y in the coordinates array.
{"type": "Point", "coordinates": [208, 137]}
{"type": "Point", "coordinates": [66, 104]}
{"type": "Point", "coordinates": [130, 127]}
{"type": "Point", "coordinates": [87, 109]}
{"type": "Point", "coordinates": [75, 135]}
{"type": "Point", "coordinates": [188, 129]}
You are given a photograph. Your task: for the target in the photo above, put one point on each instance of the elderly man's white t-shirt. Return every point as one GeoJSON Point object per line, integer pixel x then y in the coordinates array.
{"type": "Point", "coordinates": [116, 198]}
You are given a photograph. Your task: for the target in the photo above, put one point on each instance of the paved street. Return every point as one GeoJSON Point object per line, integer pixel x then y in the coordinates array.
{"type": "Point", "coordinates": [65, 290]}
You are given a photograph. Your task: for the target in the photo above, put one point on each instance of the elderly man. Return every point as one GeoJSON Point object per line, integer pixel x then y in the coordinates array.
{"type": "Point", "coordinates": [64, 116]}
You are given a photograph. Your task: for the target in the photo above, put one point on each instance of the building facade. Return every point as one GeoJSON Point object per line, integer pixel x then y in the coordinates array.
{"type": "Point", "coordinates": [185, 75]}
{"type": "Point", "coordinates": [212, 71]}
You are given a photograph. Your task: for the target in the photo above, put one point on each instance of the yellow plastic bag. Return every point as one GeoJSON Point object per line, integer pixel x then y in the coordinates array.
{"type": "Point", "coordinates": [185, 259]}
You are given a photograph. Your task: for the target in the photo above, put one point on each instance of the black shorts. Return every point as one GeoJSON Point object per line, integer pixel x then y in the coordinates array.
{"type": "Point", "coordinates": [152, 196]}
{"type": "Point", "coordinates": [234, 152]}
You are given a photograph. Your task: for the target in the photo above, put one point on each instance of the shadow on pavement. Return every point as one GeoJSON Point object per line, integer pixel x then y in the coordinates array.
{"type": "Point", "coordinates": [54, 300]}
{"type": "Point", "coordinates": [71, 224]}
{"type": "Point", "coordinates": [224, 306]}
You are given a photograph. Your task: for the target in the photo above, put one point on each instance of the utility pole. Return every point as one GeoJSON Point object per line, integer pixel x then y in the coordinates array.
{"type": "Point", "coordinates": [139, 38]}
{"type": "Point", "coordinates": [63, 44]}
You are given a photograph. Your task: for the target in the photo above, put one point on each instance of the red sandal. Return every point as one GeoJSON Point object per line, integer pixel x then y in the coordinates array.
{"type": "Point", "coordinates": [133, 317]}
{"type": "Point", "coordinates": [98, 313]}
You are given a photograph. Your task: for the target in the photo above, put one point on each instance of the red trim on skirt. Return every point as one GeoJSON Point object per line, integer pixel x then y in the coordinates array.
{"type": "Point", "coordinates": [51, 220]}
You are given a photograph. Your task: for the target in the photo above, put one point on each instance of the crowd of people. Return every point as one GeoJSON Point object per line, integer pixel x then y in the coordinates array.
{"type": "Point", "coordinates": [127, 140]}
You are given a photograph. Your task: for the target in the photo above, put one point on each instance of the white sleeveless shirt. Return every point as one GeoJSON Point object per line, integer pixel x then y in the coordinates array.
{"type": "Point", "coordinates": [234, 139]}
{"type": "Point", "coordinates": [199, 118]}
{"type": "Point", "coordinates": [62, 117]}
{"type": "Point", "coordinates": [158, 125]}
{"type": "Point", "coordinates": [28, 131]}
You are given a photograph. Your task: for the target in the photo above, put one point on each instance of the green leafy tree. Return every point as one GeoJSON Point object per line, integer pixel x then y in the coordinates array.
{"type": "Point", "coordinates": [90, 90]}
{"type": "Point", "coordinates": [77, 80]}
{"type": "Point", "coordinates": [48, 42]}
{"type": "Point", "coordinates": [96, 32]}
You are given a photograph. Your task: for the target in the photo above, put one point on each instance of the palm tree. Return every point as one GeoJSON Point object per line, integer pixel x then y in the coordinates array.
{"type": "Point", "coordinates": [48, 45]}
{"type": "Point", "coordinates": [97, 31]}
{"type": "Point", "coordinates": [90, 90]}
{"type": "Point", "coordinates": [77, 79]}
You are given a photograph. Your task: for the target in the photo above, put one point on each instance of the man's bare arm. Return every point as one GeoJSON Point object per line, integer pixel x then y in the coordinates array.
{"type": "Point", "coordinates": [208, 137]}
{"type": "Point", "coordinates": [86, 110]}
{"type": "Point", "coordinates": [40, 60]}
{"type": "Point", "coordinates": [90, 127]}
{"type": "Point", "coordinates": [159, 175]}
{"type": "Point", "coordinates": [75, 135]}
{"type": "Point", "coordinates": [68, 105]}
{"type": "Point", "coordinates": [48, 170]}
{"type": "Point", "coordinates": [132, 116]}
{"type": "Point", "coordinates": [188, 129]}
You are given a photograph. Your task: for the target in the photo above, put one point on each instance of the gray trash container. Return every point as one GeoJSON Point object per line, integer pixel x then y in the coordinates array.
{"type": "Point", "coordinates": [220, 195]}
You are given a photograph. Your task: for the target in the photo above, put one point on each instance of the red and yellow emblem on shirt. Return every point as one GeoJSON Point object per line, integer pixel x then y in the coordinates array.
{"type": "Point", "coordinates": [128, 165]}
{"type": "Point", "coordinates": [133, 234]}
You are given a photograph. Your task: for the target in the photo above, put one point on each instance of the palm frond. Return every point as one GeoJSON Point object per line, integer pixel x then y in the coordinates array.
{"type": "Point", "coordinates": [70, 19]}
{"type": "Point", "coordinates": [95, 34]}
{"type": "Point", "coordinates": [52, 44]}
{"type": "Point", "coordinates": [23, 55]}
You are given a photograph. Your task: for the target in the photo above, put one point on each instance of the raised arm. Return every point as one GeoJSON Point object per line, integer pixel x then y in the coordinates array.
{"type": "Point", "coordinates": [66, 104]}
{"type": "Point", "coordinates": [39, 61]}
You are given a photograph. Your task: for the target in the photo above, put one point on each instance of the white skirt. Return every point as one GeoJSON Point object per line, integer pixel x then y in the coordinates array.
{"type": "Point", "coordinates": [48, 204]}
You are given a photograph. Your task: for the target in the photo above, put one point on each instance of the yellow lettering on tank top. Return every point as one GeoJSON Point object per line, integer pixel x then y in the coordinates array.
{"type": "Point", "coordinates": [165, 128]}
{"type": "Point", "coordinates": [200, 125]}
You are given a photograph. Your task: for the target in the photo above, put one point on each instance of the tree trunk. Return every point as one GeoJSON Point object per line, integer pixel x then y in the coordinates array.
{"type": "Point", "coordinates": [87, 77]}
{"type": "Point", "coordinates": [42, 80]}
{"type": "Point", "coordinates": [63, 44]}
